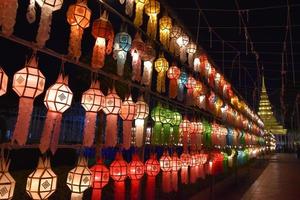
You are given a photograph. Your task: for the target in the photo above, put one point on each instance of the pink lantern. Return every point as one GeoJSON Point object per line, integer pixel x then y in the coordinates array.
{"type": "Point", "coordinates": [166, 166]}
{"type": "Point", "coordinates": [135, 171]}
{"type": "Point", "coordinates": [152, 169]}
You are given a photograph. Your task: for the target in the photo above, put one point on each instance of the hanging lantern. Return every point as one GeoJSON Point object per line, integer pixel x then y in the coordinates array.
{"type": "Point", "coordinates": [129, 7]}
{"type": "Point", "coordinates": [194, 165]}
{"type": "Point", "coordinates": [203, 64]}
{"type": "Point", "coordinates": [79, 179]}
{"type": "Point", "coordinates": [182, 41]}
{"type": "Point", "coordinates": [161, 66]}
{"type": "Point", "coordinates": [112, 107]}
{"type": "Point", "coordinates": [42, 182]}
{"type": "Point", "coordinates": [8, 13]}
{"type": "Point", "coordinates": [58, 99]}
{"type": "Point", "coordinates": [127, 113]}
{"type": "Point", "coordinates": [121, 47]}
{"type": "Point", "coordinates": [92, 101]}
{"type": "Point", "coordinates": [198, 89]}
{"type": "Point", "coordinates": [190, 85]}
{"type": "Point", "coordinates": [152, 169]}
{"type": "Point", "coordinates": [100, 178]}
{"type": "Point", "coordinates": [196, 64]}
{"type": "Point", "coordinates": [103, 31]}
{"type": "Point", "coordinates": [152, 9]}
{"type": "Point", "coordinates": [203, 159]}
{"type": "Point", "coordinates": [118, 172]}
{"type": "Point", "coordinates": [166, 129]}
{"type": "Point", "coordinates": [142, 112]}
{"type": "Point", "coordinates": [148, 58]}
{"type": "Point", "coordinates": [184, 130]}
{"type": "Point", "coordinates": [3, 82]}
{"type": "Point", "coordinates": [173, 74]}
{"type": "Point", "coordinates": [185, 163]}
{"type": "Point", "coordinates": [78, 16]}
{"type": "Point", "coordinates": [7, 182]}
{"type": "Point", "coordinates": [165, 25]}
{"type": "Point", "coordinates": [176, 120]}
{"type": "Point", "coordinates": [135, 171]}
{"type": "Point", "coordinates": [191, 50]}
{"type": "Point", "coordinates": [181, 85]}
{"type": "Point", "coordinates": [174, 35]}
{"type": "Point", "coordinates": [137, 50]}
{"type": "Point", "coordinates": [166, 166]}
{"type": "Point", "coordinates": [139, 9]}
{"type": "Point", "coordinates": [28, 83]}
{"type": "Point", "coordinates": [157, 115]}
{"type": "Point", "coordinates": [207, 131]}
{"type": "Point", "coordinates": [176, 166]}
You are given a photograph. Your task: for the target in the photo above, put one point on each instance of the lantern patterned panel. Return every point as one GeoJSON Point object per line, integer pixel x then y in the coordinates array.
{"type": "Point", "coordinates": [173, 74]}
{"type": "Point", "coordinates": [182, 41]}
{"type": "Point", "coordinates": [135, 171]}
{"type": "Point", "coordinates": [139, 9]}
{"type": "Point", "coordinates": [8, 13]}
{"type": "Point", "coordinates": [174, 35]}
{"type": "Point", "coordinates": [148, 58]}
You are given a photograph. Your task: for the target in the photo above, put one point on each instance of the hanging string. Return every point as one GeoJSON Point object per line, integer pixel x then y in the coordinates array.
{"type": "Point", "coordinates": [246, 38]}
{"type": "Point", "coordinates": [240, 23]}
{"type": "Point", "coordinates": [247, 14]}
{"type": "Point", "coordinates": [291, 42]}
{"type": "Point", "coordinates": [198, 26]}
{"type": "Point", "coordinates": [210, 37]}
{"type": "Point", "coordinates": [223, 56]}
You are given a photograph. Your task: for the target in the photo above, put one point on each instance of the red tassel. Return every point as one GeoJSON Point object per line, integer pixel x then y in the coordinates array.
{"type": "Point", "coordinates": [150, 188]}
{"type": "Point", "coordinates": [119, 190]}
{"type": "Point", "coordinates": [111, 130]}
{"type": "Point", "coordinates": [127, 125]}
{"type": "Point", "coordinates": [99, 53]}
{"type": "Point", "coordinates": [89, 129]}
{"type": "Point", "coordinates": [135, 190]}
{"type": "Point", "coordinates": [166, 181]}
{"type": "Point", "coordinates": [184, 175]}
{"type": "Point", "coordinates": [193, 176]}
{"type": "Point", "coordinates": [175, 181]}
{"type": "Point", "coordinates": [173, 88]}
{"type": "Point", "coordinates": [189, 97]}
{"type": "Point", "coordinates": [96, 194]}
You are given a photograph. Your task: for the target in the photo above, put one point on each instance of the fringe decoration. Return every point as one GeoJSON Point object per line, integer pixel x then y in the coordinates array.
{"type": "Point", "coordinates": [173, 45]}
{"type": "Point", "coordinates": [136, 66]}
{"type": "Point", "coordinates": [119, 190]}
{"type": "Point", "coordinates": [76, 196]}
{"type": "Point", "coordinates": [193, 176]}
{"type": "Point", "coordinates": [44, 27]}
{"type": "Point", "coordinates": [120, 56]}
{"type": "Point", "coordinates": [182, 54]}
{"type": "Point", "coordinates": [8, 13]}
{"type": "Point", "coordinates": [180, 92]}
{"type": "Point", "coordinates": [75, 42]}
{"type": "Point", "coordinates": [184, 175]}
{"type": "Point", "coordinates": [147, 73]}
{"type": "Point", "coordinates": [135, 190]}
{"type": "Point", "coordinates": [31, 13]}
{"type": "Point", "coordinates": [189, 97]}
{"type": "Point", "coordinates": [20, 133]}
{"type": "Point", "coordinates": [139, 132]}
{"type": "Point", "coordinates": [191, 59]}
{"type": "Point", "coordinates": [161, 82]}
{"type": "Point", "coordinates": [156, 138]}
{"type": "Point", "coordinates": [196, 65]}
{"type": "Point", "coordinates": [122, 1]}
{"type": "Point", "coordinates": [166, 133]}
{"type": "Point", "coordinates": [166, 182]}
{"type": "Point", "coordinates": [139, 9]}
{"type": "Point", "coordinates": [150, 188]}
{"type": "Point", "coordinates": [152, 26]}
{"type": "Point", "coordinates": [127, 125]}
{"type": "Point", "coordinates": [174, 183]}
{"type": "Point", "coordinates": [173, 88]}
{"type": "Point", "coordinates": [111, 130]}
{"type": "Point", "coordinates": [89, 128]}
{"type": "Point", "coordinates": [96, 194]}
{"type": "Point", "coordinates": [129, 7]}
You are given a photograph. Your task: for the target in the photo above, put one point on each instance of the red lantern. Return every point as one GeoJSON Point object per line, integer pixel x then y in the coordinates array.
{"type": "Point", "coordinates": [3, 82]}
{"type": "Point", "coordinates": [185, 162]}
{"type": "Point", "coordinates": [194, 167]}
{"type": "Point", "coordinates": [166, 166]}
{"type": "Point", "coordinates": [173, 74]}
{"type": "Point", "coordinates": [176, 166]}
{"type": "Point", "coordinates": [202, 158]}
{"type": "Point", "coordinates": [135, 172]}
{"type": "Point", "coordinates": [137, 50]}
{"type": "Point", "coordinates": [152, 169]}
{"type": "Point", "coordinates": [118, 172]}
{"type": "Point", "coordinates": [100, 178]}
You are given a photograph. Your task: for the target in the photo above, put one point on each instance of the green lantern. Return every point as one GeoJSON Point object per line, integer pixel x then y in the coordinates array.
{"type": "Point", "coordinates": [225, 162]}
{"type": "Point", "coordinates": [207, 134]}
{"type": "Point", "coordinates": [177, 118]}
{"type": "Point", "coordinates": [157, 115]}
{"type": "Point", "coordinates": [168, 117]}
{"type": "Point", "coordinates": [242, 138]}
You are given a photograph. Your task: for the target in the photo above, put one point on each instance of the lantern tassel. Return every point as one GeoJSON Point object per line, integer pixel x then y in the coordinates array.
{"type": "Point", "coordinates": [129, 7]}
{"type": "Point", "coordinates": [111, 130]}
{"type": "Point", "coordinates": [8, 12]}
{"type": "Point", "coordinates": [173, 88]}
{"type": "Point", "coordinates": [135, 190]}
{"type": "Point", "coordinates": [184, 175]}
{"type": "Point", "coordinates": [166, 133]}
{"type": "Point", "coordinates": [96, 194]}
{"type": "Point", "coordinates": [51, 130]}
{"type": "Point", "coordinates": [23, 121]}
{"type": "Point", "coordinates": [160, 85]}
{"type": "Point", "coordinates": [193, 176]}
{"type": "Point", "coordinates": [191, 59]}
{"type": "Point", "coordinates": [166, 182]}
{"type": "Point", "coordinates": [189, 97]}
{"type": "Point", "coordinates": [164, 36]}
{"type": "Point", "coordinates": [121, 59]}
{"type": "Point", "coordinates": [152, 26]}
{"type": "Point", "coordinates": [175, 181]}
{"type": "Point", "coordinates": [136, 67]}
{"type": "Point", "coordinates": [76, 196]}
{"type": "Point", "coordinates": [119, 190]}
{"type": "Point", "coordinates": [172, 45]}
{"type": "Point", "coordinates": [139, 132]}
{"type": "Point", "coordinates": [127, 125]}
{"type": "Point", "coordinates": [31, 14]}
{"type": "Point", "coordinates": [44, 27]}
{"type": "Point", "coordinates": [180, 92]}
{"type": "Point", "coordinates": [138, 20]}
{"type": "Point", "coordinates": [75, 42]}
{"type": "Point", "coordinates": [182, 55]}
{"type": "Point", "coordinates": [147, 73]}
{"type": "Point", "coordinates": [99, 53]}
{"type": "Point", "coordinates": [150, 188]}
{"type": "Point", "coordinates": [89, 129]}
{"type": "Point", "coordinates": [156, 139]}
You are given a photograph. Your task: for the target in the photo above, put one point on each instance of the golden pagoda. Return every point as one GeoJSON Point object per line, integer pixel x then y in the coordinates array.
{"type": "Point", "coordinates": [266, 114]}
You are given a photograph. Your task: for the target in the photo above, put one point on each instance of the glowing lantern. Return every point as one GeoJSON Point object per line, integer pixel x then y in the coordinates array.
{"type": "Point", "coordinates": [148, 58]}
{"type": "Point", "coordinates": [58, 99]}
{"type": "Point", "coordinates": [165, 25]}
{"type": "Point", "coordinates": [152, 169]}
{"type": "Point", "coordinates": [135, 171]}
{"type": "Point", "coordinates": [3, 82]}
{"type": "Point", "coordinates": [127, 113]}
{"type": "Point", "coordinates": [191, 50]}
{"type": "Point", "coordinates": [137, 50]}
{"type": "Point", "coordinates": [202, 160]}
{"type": "Point", "coordinates": [152, 9]}
{"type": "Point", "coordinates": [7, 182]}
{"type": "Point", "coordinates": [174, 35]}
{"type": "Point", "coordinates": [142, 112]}
{"type": "Point", "coordinates": [8, 13]}
{"type": "Point", "coordinates": [112, 107]}
{"type": "Point", "coordinates": [121, 47]}
{"type": "Point", "coordinates": [166, 166]}
{"type": "Point", "coordinates": [139, 9]}
{"type": "Point", "coordinates": [92, 101]}
{"type": "Point", "coordinates": [184, 130]}
{"type": "Point", "coordinates": [176, 120]}
{"type": "Point", "coordinates": [203, 63]}
{"type": "Point", "coordinates": [185, 162]}
{"type": "Point", "coordinates": [166, 129]}
{"type": "Point", "coordinates": [195, 161]}
{"type": "Point", "coordinates": [104, 33]}
{"type": "Point", "coordinates": [190, 85]}
{"type": "Point", "coordinates": [79, 179]}
{"type": "Point", "coordinates": [100, 178]}
{"type": "Point", "coordinates": [78, 16]}
{"type": "Point", "coordinates": [181, 85]}
{"type": "Point", "coordinates": [161, 66]}
{"type": "Point", "coordinates": [129, 7]}
{"type": "Point", "coordinates": [176, 166]}
{"type": "Point", "coordinates": [198, 89]}
{"type": "Point", "coordinates": [157, 115]}
{"type": "Point", "coordinates": [182, 41]}
{"type": "Point", "coordinates": [42, 182]}
{"type": "Point", "coordinates": [118, 172]}
{"type": "Point", "coordinates": [173, 74]}
{"type": "Point", "coordinates": [197, 64]}
{"type": "Point", "coordinates": [207, 134]}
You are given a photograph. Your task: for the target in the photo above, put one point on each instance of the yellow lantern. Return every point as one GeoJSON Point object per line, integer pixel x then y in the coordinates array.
{"type": "Point", "coordinates": [182, 41]}
{"type": "Point", "coordinates": [139, 9]}
{"type": "Point", "coordinates": [152, 9]}
{"type": "Point", "coordinates": [142, 112]}
{"type": "Point", "coordinates": [161, 66]}
{"type": "Point", "coordinates": [3, 82]}
{"type": "Point", "coordinates": [42, 182]}
{"type": "Point", "coordinates": [7, 182]}
{"type": "Point", "coordinates": [8, 13]}
{"type": "Point", "coordinates": [79, 179]}
{"type": "Point", "coordinates": [165, 25]}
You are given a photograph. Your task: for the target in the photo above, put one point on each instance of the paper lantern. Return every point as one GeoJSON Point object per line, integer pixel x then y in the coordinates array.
{"type": "Point", "coordinates": [161, 66]}
{"type": "Point", "coordinates": [112, 107]}
{"type": "Point", "coordinates": [137, 50]}
{"type": "Point", "coordinates": [176, 120]}
{"type": "Point", "coordinates": [103, 32]}
{"type": "Point", "coordinates": [203, 159]}
{"type": "Point", "coordinates": [194, 165]}
{"type": "Point", "coordinates": [166, 129]}
{"type": "Point", "coordinates": [129, 7]}
{"type": "Point", "coordinates": [165, 25]}
{"type": "Point", "coordinates": [207, 130]}
{"type": "Point", "coordinates": [190, 85]}
{"type": "Point", "coordinates": [127, 113]}
{"type": "Point", "coordinates": [185, 163]}
{"type": "Point", "coordinates": [121, 47]}
{"type": "Point", "coordinates": [78, 16]}
{"type": "Point", "coordinates": [157, 115]}
{"type": "Point", "coordinates": [184, 130]}
{"type": "Point", "coordinates": [42, 182]}
{"type": "Point", "coordinates": [166, 166]}
{"type": "Point", "coordinates": [3, 82]}
{"type": "Point", "coordinates": [173, 74]}
{"type": "Point", "coordinates": [100, 178]}
{"type": "Point", "coordinates": [174, 35]}
{"type": "Point", "coordinates": [118, 172]}
{"type": "Point", "coordinates": [8, 13]}
{"type": "Point", "coordinates": [196, 64]}
{"type": "Point", "coordinates": [152, 169]}
{"type": "Point", "coordinates": [191, 50]}
{"type": "Point", "coordinates": [139, 9]}
{"type": "Point", "coordinates": [182, 41]}
{"type": "Point", "coordinates": [7, 182]}
{"type": "Point", "coordinates": [148, 58]}
{"type": "Point", "coordinates": [199, 89]}
{"type": "Point", "coordinates": [135, 171]}
{"type": "Point", "coordinates": [142, 112]}
{"type": "Point", "coordinates": [28, 83]}
{"type": "Point", "coordinates": [79, 179]}
{"type": "Point", "coordinates": [181, 85]}
{"type": "Point", "coordinates": [92, 101]}
{"type": "Point", "coordinates": [152, 9]}
{"type": "Point", "coordinates": [176, 166]}
{"type": "Point", "coordinates": [58, 99]}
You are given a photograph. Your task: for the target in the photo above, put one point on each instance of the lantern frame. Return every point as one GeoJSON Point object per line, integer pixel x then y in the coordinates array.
{"type": "Point", "coordinates": [112, 103]}
{"type": "Point", "coordinates": [165, 162]}
{"type": "Point", "coordinates": [128, 109]}
{"type": "Point", "coordinates": [100, 175]}
{"type": "Point", "coordinates": [93, 100]}
{"type": "Point", "coordinates": [118, 168]}
{"type": "Point", "coordinates": [79, 15]}
{"type": "Point", "coordinates": [152, 166]}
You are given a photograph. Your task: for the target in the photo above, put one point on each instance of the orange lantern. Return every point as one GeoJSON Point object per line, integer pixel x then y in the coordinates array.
{"type": "Point", "coordinates": [103, 31]}
{"type": "Point", "coordinates": [182, 41]}
{"type": "Point", "coordinates": [8, 13]}
{"type": "Point", "coordinates": [191, 50]}
{"type": "Point", "coordinates": [127, 113]}
{"type": "Point", "coordinates": [100, 178]}
{"type": "Point", "coordinates": [135, 171]}
{"type": "Point", "coordinates": [173, 74]}
{"type": "Point", "coordinates": [174, 35]}
{"type": "Point", "coordinates": [185, 163]}
{"type": "Point", "coordinates": [7, 182]}
{"type": "Point", "coordinates": [92, 101]}
{"type": "Point", "coordinates": [139, 9]}
{"type": "Point", "coordinates": [152, 9]}
{"type": "Point", "coordinates": [137, 50]}
{"type": "Point", "coordinates": [166, 166]}
{"type": "Point", "coordinates": [78, 16]}
{"type": "Point", "coordinates": [176, 166]}
{"type": "Point", "coordinates": [165, 25]}
{"type": "Point", "coordinates": [142, 112]}
{"type": "Point", "coordinates": [28, 83]}
{"type": "Point", "coordinates": [161, 66]}
{"type": "Point", "coordinates": [152, 169]}
{"type": "Point", "coordinates": [118, 172]}
{"type": "Point", "coordinates": [112, 107]}
{"type": "Point", "coordinates": [58, 99]}
{"type": "Point", "coordinates": [3, 82]}
{"type": "Point", "coordinates": [148, 58]}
